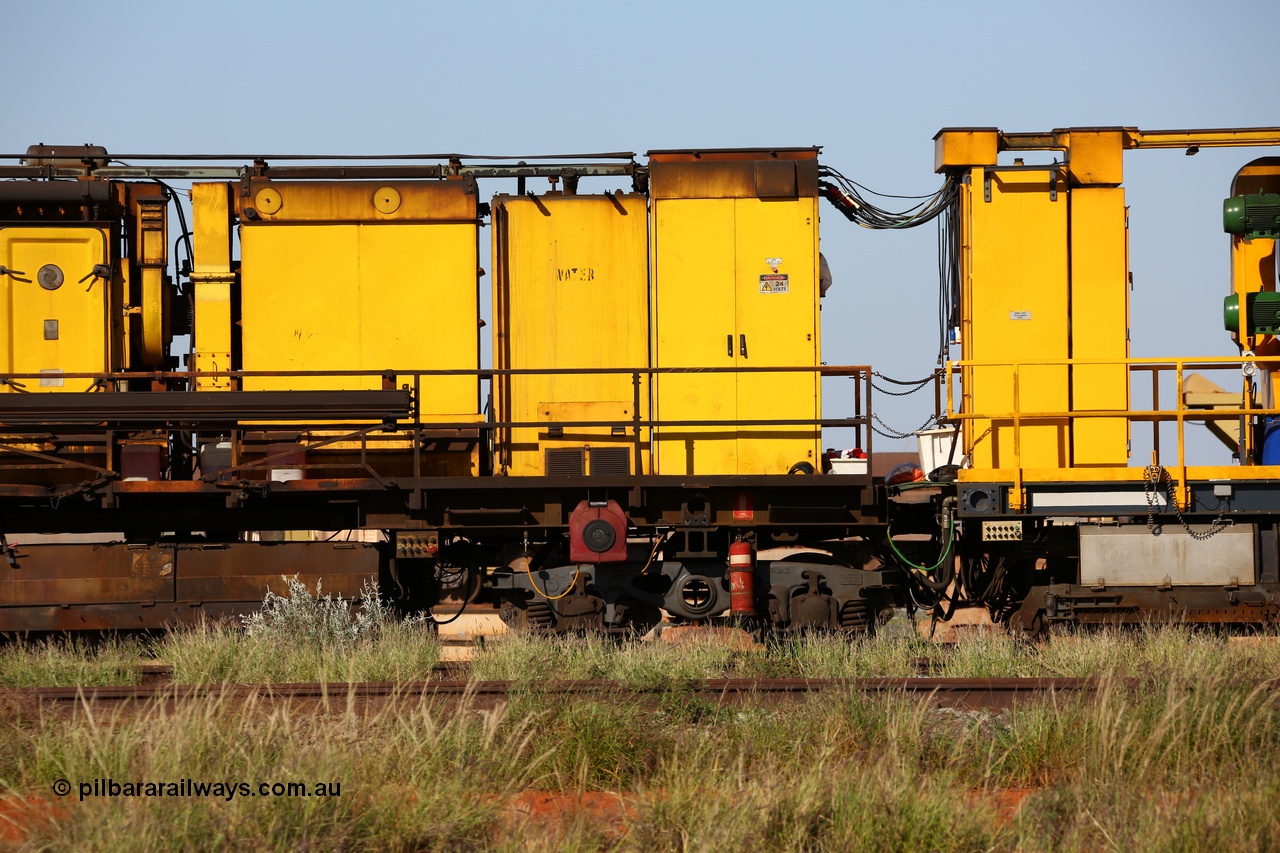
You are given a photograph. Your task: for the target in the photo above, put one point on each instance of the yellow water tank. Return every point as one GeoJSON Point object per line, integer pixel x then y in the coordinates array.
{"type": "Point", "coordinates": [570, 290]}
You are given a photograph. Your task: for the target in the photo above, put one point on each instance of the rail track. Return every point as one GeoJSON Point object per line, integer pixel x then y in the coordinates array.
{"type": "Point", "coordinates": [969, 693]}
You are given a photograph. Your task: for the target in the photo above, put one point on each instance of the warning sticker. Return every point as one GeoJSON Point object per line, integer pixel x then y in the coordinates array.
{"type": "Point", "coordinates": [776, 283]}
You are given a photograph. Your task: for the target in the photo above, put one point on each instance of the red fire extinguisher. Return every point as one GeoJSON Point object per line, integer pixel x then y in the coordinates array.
{"type": "Point", "coordinates": [742, 579]}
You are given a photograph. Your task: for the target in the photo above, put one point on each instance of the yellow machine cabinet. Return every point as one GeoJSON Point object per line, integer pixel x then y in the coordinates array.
{"type": "Point", "coordinates": [1099, 325]}
{"type": "Point", "coordinates": [345, 276]}
{"type": "Point", "coordinates": [570, 291]}
{"type": "Point", "coordinates": [83, 276]}
{"type": "Point", "coordinates": [1016, 309]}
{"type": "Point", "coordinates": [735, 286]}
{"type": "Point", "coordinates": [1045, 312]}
{"type": "Point", "coordinates": [55, 324]}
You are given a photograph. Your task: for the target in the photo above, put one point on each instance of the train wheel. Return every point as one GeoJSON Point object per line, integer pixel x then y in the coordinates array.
{"type": "Point", "coordinates": [1031, 628]}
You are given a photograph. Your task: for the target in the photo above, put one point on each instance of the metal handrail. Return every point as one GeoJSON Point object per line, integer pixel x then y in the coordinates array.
{"type": "Point", "coordinates": [1179, 414]}
{"type": "Point", "coordinates": [412, 423]}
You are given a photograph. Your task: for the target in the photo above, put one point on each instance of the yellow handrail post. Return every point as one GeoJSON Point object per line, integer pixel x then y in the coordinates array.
{"type": "Point", "coordinates": [1015, 497]}
{"type": "Point", "coordinates": [1246, 435]}
{"type": "Point", "coordinates": [1184, 490]}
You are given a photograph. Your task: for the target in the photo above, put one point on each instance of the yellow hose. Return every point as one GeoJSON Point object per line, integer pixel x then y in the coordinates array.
{"type": "Point", "coordinates": [577, 570]}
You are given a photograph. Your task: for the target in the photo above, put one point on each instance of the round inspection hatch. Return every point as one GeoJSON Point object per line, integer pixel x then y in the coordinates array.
{"type": "Point", "coordinates": [387, 200]}
{"type": "Point", "coordinates": [268, 200]}
{"type": "Point", "coordinates": [50, 277]}
{"type": "Point", "coordinates": [697, 595]}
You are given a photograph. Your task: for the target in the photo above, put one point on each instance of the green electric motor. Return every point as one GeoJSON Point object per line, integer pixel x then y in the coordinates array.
{"type": "Point", "coordinates": [1254, 217]}
{"type": "Point", "coordinates": [1262, 317]}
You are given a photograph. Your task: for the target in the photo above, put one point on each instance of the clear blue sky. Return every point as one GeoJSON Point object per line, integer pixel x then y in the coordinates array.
{"type": "Point", "coordinates": [870, 82]}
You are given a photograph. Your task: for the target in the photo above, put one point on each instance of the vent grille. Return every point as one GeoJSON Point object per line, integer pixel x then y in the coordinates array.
{"type": "Point", "coordinates": [1262, 220]}
{"type": "Point", "coordinates": [610, 461]}
{"type": "Point", "coordinates": [565, 462]}
{"type": "Point", "coordinates": [1264, 314]}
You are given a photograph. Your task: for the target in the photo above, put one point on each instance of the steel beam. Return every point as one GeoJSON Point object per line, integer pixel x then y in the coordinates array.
{"type": "Point", "coordinates": [205, 406]}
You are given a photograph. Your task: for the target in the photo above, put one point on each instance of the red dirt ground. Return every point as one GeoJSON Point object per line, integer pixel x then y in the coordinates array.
{"type": "Point", "coordinates": [1006, 801]}
{"type": "Point", "coordinates": [18, 815]}
{"type": "Point", "coordinates": [556, 809]}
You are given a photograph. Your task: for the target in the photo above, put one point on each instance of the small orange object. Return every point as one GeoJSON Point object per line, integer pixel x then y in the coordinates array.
{"type": "Point", "coordinates": [907, 472]}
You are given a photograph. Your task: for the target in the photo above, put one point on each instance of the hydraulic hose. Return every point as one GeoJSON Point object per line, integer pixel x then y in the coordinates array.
{"type": "Point", "coordinates": [945, 563]}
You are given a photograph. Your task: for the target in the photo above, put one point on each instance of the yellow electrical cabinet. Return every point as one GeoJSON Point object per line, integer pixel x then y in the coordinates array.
{"type": "Point", "coordinates": [84, 283]}
{"type": "Point", "coordinates": [570, 291]}
{"type": "Point", "coordinates": [54, 324]}
{"type": "Point", "coordinates": [1045, 311]}
{"type": "Point", "coordinates": [735, 288]}
{"type": "Point", "coordinates": [361, 276]}
{"type": "Point", "coordinates": [337, 278]}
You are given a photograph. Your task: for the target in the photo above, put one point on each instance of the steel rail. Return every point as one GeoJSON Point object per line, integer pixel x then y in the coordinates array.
{"type": "Point", "coordinates": [955, 692]}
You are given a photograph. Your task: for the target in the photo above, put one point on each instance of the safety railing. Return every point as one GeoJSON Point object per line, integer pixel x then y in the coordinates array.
{"type": "Point", "coordinates": [393, 406]}
{"type": "Point", "coordinates": [1238, 384]}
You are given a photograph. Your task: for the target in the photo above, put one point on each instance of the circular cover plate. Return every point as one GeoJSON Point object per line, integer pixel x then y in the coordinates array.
{"type": "Point", "coordinates": [50, 277]}
{"type": "Point", "coordinates": [387, 199]}
{"type": "Point", "coordinates": [268, 200]}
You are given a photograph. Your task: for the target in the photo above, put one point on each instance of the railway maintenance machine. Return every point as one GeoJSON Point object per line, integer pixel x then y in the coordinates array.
{"type": "Point", "coordinates": [652, 403]}
{"type": "Point", "coordinates": [648, 437]}
{"type": "Point", "coordinates": [1053, 519]}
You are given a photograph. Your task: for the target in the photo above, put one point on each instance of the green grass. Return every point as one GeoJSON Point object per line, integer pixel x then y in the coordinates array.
{"type": "Point", "coordinates": [69, 662]}
{"type": "Point", "coordinates": [300, 638]}
{"type": "Point", "coordinates": [305, 636]}
{"type": "Point", "coordinates": [1150, 652]}
{"type": "Point", "coordinates": [1185, 766]}
{"type": "Point", "coordinates": [1182, 759]}
{"type": "Point", "coordinates": [217, 654]}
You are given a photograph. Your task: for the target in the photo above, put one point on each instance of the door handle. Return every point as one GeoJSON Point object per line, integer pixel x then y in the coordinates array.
{"type": "Point", "coordinates": [742, 341]}
{"type": "Point", "coordinates": [730, 342]}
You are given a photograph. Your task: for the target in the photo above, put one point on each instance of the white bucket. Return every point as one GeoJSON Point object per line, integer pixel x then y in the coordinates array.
{"type": "Point", "coordinates": [939, 447]}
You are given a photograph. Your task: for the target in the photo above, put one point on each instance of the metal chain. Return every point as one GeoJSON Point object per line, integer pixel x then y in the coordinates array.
{"type": "Point", "coordinates": [1152, 476]}
{"type": "Point", "coordinates": [1149, 478]}
{"type": "Point", "coordinates": [889, 393]}
{"type": "Point", "coordinates": [890, 432]}
{"type": "Point", "coordinates": [918, 385]}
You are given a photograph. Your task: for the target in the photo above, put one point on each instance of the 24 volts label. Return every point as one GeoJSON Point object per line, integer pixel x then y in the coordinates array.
{"type": "Point", "coordinates": [775, 283]}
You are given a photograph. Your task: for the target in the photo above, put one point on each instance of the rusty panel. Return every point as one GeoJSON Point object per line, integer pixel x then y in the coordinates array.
{"type": "Point", "coordinates": [364, 201]}
{"type": "Point", "coordinates": [760, 174]}
{"type": "Point", "coordinates": [244, 571]}
{"type": "Point", "coordinates": [776, 179]}
{"type": "Point", "coordinates": [118, 617]}
{"type": "Point", "coordinates": [725, 155]}
{"type": "Point", "coordinates": [88, 574]}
